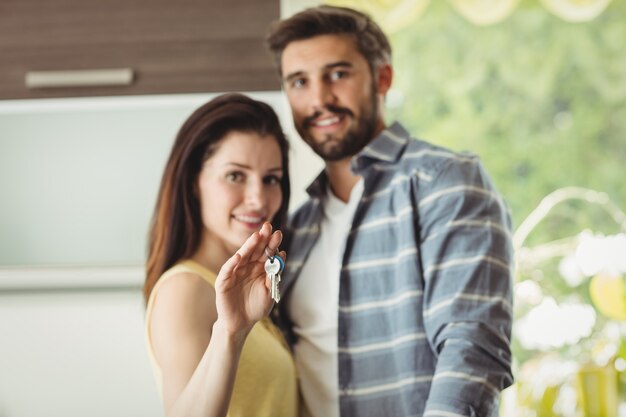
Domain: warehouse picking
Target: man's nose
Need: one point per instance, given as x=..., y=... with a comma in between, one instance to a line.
x=321, y=95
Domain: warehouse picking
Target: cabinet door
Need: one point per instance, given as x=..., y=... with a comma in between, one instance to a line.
x=182, y=46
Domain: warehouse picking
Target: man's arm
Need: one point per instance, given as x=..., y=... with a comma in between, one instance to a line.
x=466, y=256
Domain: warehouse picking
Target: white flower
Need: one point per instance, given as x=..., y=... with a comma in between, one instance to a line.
x=546, y=371
x=549, y=326
x=528, y=292
x=570, y=271
x=599, y=253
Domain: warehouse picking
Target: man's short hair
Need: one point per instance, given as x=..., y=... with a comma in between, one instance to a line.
x=370, y=40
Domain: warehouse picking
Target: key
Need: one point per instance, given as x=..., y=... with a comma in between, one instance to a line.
x=273, y=266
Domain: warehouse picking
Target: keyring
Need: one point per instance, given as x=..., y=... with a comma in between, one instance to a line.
x=271, y=256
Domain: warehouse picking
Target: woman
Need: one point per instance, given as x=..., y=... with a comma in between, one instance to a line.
x=214, y=350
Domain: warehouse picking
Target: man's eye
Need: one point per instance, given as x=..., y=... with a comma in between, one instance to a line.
x=298, y=83
x=337, y=75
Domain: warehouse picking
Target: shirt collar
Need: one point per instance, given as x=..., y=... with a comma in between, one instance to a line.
x=387, y=147
x=318, y=187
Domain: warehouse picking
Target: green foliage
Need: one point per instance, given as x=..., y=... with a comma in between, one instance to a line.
x=541, y=100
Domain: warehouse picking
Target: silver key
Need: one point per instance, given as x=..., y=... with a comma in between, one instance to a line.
x=273, y=266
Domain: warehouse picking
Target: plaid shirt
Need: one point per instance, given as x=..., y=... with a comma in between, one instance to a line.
x=425, y=292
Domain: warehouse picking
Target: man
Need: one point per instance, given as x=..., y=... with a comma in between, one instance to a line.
x=397, y=291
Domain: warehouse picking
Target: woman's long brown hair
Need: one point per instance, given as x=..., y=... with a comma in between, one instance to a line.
x=176, y=226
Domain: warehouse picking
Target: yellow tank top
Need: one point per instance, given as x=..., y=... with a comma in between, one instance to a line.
x=265, y=385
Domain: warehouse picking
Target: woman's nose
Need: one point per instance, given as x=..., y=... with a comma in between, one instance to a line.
x=255, y=195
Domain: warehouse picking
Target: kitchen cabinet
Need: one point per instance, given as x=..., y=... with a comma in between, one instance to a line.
x=151, y=46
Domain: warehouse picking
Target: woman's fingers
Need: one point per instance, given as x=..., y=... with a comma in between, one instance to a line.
x=227, y=270
x=265, y=232
x=249, y=246
x=267, y=244
x=273, y=243
x=257, y=247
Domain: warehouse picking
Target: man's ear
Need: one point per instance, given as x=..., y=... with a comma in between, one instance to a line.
x=384, y=77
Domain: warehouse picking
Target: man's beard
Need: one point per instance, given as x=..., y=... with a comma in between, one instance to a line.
x=355, y=139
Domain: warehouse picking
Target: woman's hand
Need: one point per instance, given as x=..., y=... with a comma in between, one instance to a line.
x=242, y=287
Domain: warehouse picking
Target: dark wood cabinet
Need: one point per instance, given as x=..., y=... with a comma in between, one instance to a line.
x=181, y=46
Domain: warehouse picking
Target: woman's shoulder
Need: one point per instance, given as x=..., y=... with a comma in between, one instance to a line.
x=185, y=283
x=181, y=306
x=179, y=318
x=184, y=291
x=188, y=268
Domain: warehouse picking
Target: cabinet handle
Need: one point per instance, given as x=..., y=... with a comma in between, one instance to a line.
x=79, y=78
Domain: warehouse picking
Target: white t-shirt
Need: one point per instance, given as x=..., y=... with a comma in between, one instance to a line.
x=313, y=307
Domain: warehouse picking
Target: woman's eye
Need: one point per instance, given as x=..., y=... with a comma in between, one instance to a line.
x=271, y=180
x=235, y=176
